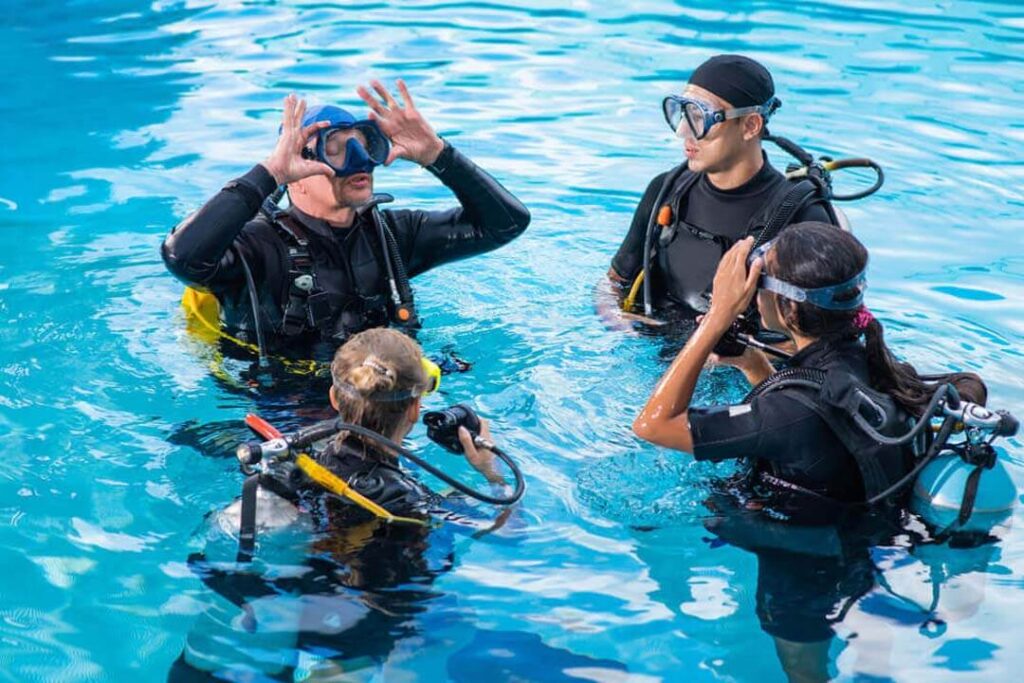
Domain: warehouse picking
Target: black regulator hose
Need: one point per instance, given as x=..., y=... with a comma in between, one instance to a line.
x=322, y=430
x=670, y=180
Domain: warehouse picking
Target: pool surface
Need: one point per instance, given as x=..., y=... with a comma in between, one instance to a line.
x=118, y=118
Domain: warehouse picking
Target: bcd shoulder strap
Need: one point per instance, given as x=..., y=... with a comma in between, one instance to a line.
x=782, y=207
x=307, y=304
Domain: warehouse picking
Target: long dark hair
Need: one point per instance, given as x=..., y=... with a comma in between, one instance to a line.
x=816, y=254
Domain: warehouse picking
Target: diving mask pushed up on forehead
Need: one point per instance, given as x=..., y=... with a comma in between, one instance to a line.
x=348, y=145
x=845, y=296
x=699, y=118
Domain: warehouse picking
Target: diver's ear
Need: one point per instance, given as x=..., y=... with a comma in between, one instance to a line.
x=753, y=125
x=412, y=413
x=334, y=398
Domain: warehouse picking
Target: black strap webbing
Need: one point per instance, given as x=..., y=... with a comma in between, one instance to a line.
x=970, y=495
x=795, y=199
x=247, y=528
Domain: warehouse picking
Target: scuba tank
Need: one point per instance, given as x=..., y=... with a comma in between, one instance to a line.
x=967, y=489
x=938, y=494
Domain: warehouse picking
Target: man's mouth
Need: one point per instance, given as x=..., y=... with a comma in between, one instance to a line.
x=359, y=179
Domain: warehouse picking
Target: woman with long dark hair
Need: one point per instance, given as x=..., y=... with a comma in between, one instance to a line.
x=810, y=284
x=811, y=463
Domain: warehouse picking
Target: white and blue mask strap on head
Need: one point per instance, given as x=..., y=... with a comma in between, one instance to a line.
x=822, y=297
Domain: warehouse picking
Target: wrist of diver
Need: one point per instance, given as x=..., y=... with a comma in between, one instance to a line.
x=433, y=152
x=718, y=320
x=274, y=170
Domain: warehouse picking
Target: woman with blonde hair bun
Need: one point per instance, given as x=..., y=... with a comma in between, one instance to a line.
x=363, y=580
x=379, y=379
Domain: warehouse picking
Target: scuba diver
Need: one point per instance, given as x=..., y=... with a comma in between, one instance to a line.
x=832, y=441
x=333, y=263
x=377, y=542
x=725, y=190
x=815, y=438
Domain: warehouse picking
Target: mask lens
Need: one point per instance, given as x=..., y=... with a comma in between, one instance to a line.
x=375, y=144
x=336, y=145
x=673, y=111
x=695, y=119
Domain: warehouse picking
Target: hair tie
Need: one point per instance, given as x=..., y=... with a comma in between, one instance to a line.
x=379, y=367
x=863, y=318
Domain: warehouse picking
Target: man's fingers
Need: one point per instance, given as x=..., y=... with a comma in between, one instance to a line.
x=754, y=274
x=320, y=168
x=300, y=111
x=406, y=97
x=385, y=95
x=311, y=129
x=370, y=100
x=286, y=117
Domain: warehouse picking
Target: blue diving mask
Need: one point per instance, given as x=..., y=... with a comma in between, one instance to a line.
x=348, y=146
x=850, y=292
x=700, y=118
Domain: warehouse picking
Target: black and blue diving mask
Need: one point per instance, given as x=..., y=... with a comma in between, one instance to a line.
x=348, y=146
x=844, y=296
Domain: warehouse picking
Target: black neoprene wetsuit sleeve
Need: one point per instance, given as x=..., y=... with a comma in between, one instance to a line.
x=764, y=428
x=198, y=250
x=488, y=217
x=629, y=259
x=202, y=250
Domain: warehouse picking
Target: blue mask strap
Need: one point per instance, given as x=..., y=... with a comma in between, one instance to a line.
x=822, y=297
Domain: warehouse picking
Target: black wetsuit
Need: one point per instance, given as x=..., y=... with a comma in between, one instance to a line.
x=783, y=435
x=684, y=268
x=204, y=250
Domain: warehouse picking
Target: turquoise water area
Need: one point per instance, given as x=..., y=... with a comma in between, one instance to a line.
x=119, y=117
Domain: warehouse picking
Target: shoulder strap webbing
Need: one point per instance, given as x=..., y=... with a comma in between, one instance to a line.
x=247, y=528
x=872, y=472
x=873, y=475
x=306, y=306
x=780, y=210
x=677, y=198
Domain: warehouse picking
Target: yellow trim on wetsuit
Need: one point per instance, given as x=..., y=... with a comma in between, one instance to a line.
x=336, y=485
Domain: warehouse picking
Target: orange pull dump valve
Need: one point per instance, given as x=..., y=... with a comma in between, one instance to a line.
x=665, y=215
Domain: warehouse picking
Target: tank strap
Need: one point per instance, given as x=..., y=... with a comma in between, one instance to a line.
x=247, y=528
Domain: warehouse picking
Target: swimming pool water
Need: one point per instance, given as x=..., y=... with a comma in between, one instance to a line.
x=118, y=118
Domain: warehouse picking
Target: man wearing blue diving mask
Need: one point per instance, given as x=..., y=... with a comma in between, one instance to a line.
x=333, y=263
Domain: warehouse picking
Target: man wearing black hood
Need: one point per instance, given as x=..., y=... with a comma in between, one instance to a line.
x=725, y=190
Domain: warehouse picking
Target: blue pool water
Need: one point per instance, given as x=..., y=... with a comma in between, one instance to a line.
x=118, y=118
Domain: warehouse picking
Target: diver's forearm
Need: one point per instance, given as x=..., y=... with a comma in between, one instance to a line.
x=664, y=419
x=195, y=249
x=487, y=204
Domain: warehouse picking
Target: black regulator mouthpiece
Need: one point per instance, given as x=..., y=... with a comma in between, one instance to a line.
x=443, y=425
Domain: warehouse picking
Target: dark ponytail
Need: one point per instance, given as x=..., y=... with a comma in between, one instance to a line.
x=812, y=255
